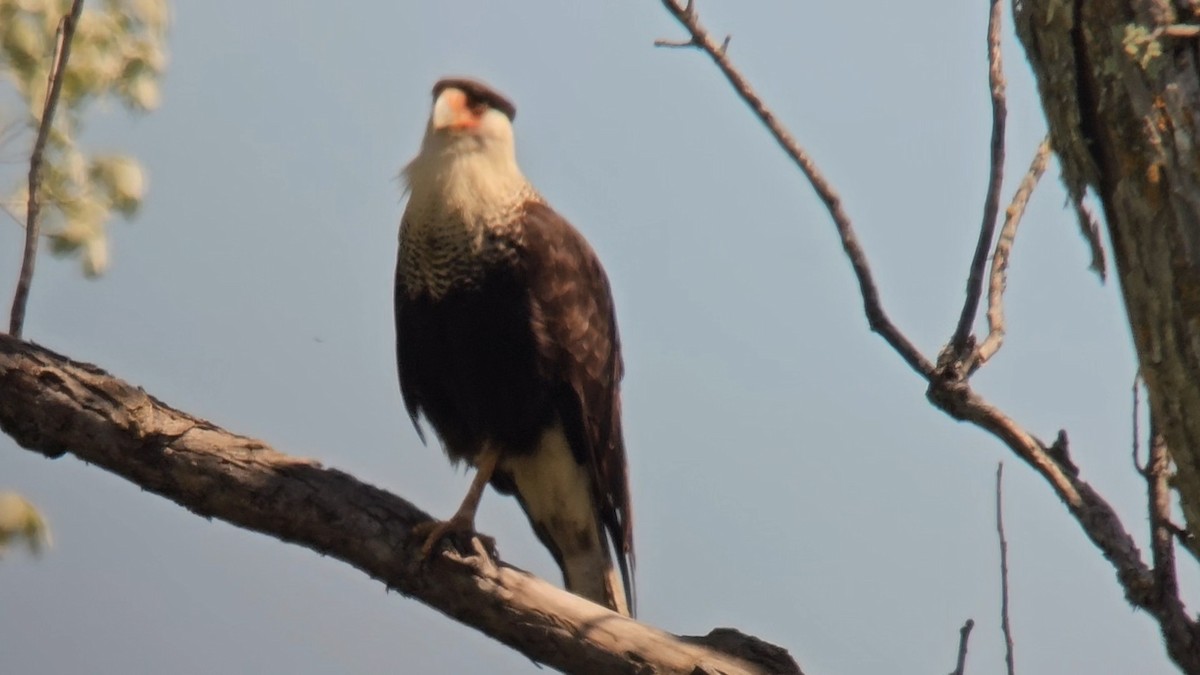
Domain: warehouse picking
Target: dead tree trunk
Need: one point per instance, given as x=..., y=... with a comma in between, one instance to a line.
x=1120, y=85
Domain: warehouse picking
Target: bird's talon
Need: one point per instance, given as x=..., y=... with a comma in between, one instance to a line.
x=459, y=530
x=485, y=546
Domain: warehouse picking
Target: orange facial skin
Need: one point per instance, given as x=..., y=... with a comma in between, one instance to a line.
x=453, y=111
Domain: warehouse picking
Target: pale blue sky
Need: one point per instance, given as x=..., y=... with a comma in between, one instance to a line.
x=789, y=478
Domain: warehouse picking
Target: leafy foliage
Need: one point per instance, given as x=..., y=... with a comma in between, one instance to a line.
x=20, y=521
x=118, y=53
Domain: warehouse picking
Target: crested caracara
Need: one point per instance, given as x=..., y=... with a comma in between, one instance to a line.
x=507, y=344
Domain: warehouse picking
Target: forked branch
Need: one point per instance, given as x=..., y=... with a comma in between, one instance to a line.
x=949, y=388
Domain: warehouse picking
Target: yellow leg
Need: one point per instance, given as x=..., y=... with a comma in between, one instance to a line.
x=463, y=520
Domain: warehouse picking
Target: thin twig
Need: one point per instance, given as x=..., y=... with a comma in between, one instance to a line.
x=1162, y=536
x=674, y=44
x=1182, y=30
x=1137, y=434
x=964, y=634
x=1090, y=229
x=877, y=318
x=1005, y=626
x=991, y=203
x=62, y=52
x=998, y=279
x=1168, y=608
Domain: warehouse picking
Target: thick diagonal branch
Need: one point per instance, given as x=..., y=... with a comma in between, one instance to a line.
x=53, y=405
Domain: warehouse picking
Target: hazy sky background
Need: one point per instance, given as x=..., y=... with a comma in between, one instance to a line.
x=789, y=478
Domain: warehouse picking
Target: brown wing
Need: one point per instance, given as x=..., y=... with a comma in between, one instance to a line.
x=405, y=346
x=575, y=327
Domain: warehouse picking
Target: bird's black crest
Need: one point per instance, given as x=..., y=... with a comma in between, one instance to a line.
x=477, y=91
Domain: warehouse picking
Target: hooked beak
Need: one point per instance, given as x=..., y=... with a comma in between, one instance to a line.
x=452, y=112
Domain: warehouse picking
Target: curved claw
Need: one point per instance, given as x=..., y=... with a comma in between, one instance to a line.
x=435, y=531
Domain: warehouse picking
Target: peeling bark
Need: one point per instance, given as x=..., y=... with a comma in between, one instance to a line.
x=52, y=405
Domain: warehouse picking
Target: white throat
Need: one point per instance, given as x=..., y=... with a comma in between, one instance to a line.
x=465, y=197
x=473, y=180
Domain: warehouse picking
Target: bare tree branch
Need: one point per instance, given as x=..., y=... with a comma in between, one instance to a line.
x=1137, y=450
x=1005, y=625
x=1157, y=478
x=1090, y=229
x=1093, y=513
x=964, y=634
x=991, y=202
x=62, y=52
x=950, y=394
x=52, y=405
x=1162, y=534
x=998, y=279
x=950, y=391
x=1181, y=31
x=877, y=318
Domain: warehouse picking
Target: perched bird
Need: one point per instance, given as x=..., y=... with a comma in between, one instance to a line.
x=507, y=344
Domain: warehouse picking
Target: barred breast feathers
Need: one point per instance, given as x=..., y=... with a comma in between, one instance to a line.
x=466, y=194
